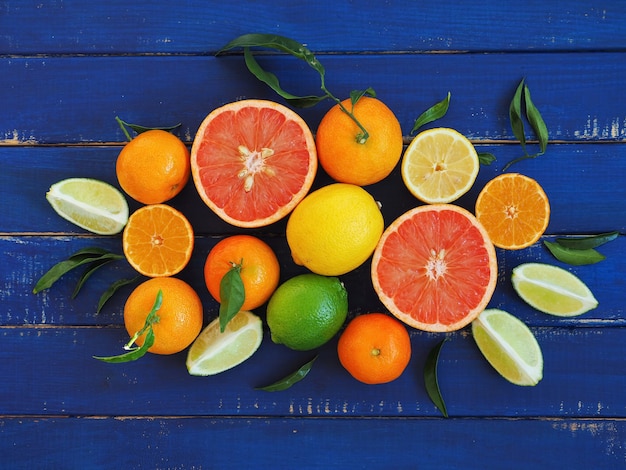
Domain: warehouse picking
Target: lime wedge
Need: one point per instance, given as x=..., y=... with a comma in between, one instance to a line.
x=213, y=352
x=509, y=346
x=552, y=290
x=91, y=204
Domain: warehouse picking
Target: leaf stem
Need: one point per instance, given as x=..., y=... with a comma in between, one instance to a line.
x=121, y=123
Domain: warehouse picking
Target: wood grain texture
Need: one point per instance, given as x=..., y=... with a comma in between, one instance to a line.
x=86, y=93
x=67, y=68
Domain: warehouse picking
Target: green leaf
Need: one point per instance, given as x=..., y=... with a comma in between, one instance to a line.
x=430, y=378
x=140, y=129
x=79, y=258
x=289, y=380
x=113, y=288
x=133, y=354
x=433, y=113
x=232, y=295
x=536, y=121
x=356, y=95
x=272, y=81
x=92, y=268
x=574, y=256
x=586, y=242
x=515, y=116
x=486, y=158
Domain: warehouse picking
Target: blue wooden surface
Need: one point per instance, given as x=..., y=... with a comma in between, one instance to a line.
x=67, y=68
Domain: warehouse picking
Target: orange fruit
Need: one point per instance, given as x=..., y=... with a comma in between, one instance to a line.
x=153, y=167
x=158, y=240
x=514, y=209
x=180, y=314
x=340, y=150
x=253, y=161
x=374, y=348
x=435, y=267
x=258, y=264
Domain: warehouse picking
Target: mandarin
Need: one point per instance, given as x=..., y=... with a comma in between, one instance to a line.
x=179, y=317
x=374, y=348
x=257, y=263
x=153, y=167
x=514, y=210
x=344, y=156
x=158, y=240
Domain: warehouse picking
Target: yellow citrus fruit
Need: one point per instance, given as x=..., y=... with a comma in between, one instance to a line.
x=514, y=209
x=340, y=147
x=180, y=314
x=153, y=167
x=306, y=311
x=439, y=165
x=334, y=229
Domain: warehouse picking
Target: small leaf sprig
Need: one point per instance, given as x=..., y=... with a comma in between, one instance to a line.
x=580, y=251
x=232, y=294
x=298, y=50
x=431, y=380
x=94, y=258
x=521, y=104
x=139, y=129
x=136, y=352
x=439, y=110
x=289, y=380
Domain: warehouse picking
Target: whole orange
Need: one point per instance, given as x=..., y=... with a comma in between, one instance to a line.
x=374, y=348
x=257, y=264
x=153, y=167
x=340, y=149
x=179, y=317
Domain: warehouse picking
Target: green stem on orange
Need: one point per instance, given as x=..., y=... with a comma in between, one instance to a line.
x=362, y=136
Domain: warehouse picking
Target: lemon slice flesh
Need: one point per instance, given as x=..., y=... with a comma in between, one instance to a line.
x=90, y=204
x=509, y=346
x=213, y=351
x=439, y=165
x=552, y=290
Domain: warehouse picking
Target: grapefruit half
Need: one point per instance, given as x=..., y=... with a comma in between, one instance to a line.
x=435, y=268
x=253, y=161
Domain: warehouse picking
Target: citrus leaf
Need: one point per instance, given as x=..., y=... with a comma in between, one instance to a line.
x=486, y=158
x=92, y=267
x=515, y=116
x=79, y=258
x=586, y=242
x=536, y=121
x=232, y=295
x=289, y=380
x=356, y=95
x=272, y=81
x=430, y=378
x=133, y=354
x=573, y=256
x=140, y=129
x=433, y=113
x=113, y=288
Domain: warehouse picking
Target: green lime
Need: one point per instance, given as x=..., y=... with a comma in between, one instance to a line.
x=306, y=311
x=509, y=346
x=552, y=290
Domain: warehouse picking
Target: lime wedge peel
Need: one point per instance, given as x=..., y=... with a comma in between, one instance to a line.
x=553, y=290
x=509, y=346
x=213, y=351
x=90, y=204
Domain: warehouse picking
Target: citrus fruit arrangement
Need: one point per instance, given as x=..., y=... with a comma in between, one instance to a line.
x=253, y=162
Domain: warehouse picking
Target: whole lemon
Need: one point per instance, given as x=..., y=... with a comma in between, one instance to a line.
x=306, y=311
x=334, y=229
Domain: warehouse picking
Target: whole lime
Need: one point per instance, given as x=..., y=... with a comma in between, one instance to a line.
x=306, y=311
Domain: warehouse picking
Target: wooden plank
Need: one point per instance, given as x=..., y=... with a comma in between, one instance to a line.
x=25, y=259
x=52, y=372
x=79, y=97
x=584, y=183
x=311, y=443
x=30, y=27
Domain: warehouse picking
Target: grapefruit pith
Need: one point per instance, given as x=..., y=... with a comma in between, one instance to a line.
x=435, y=268
x=253, y=161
